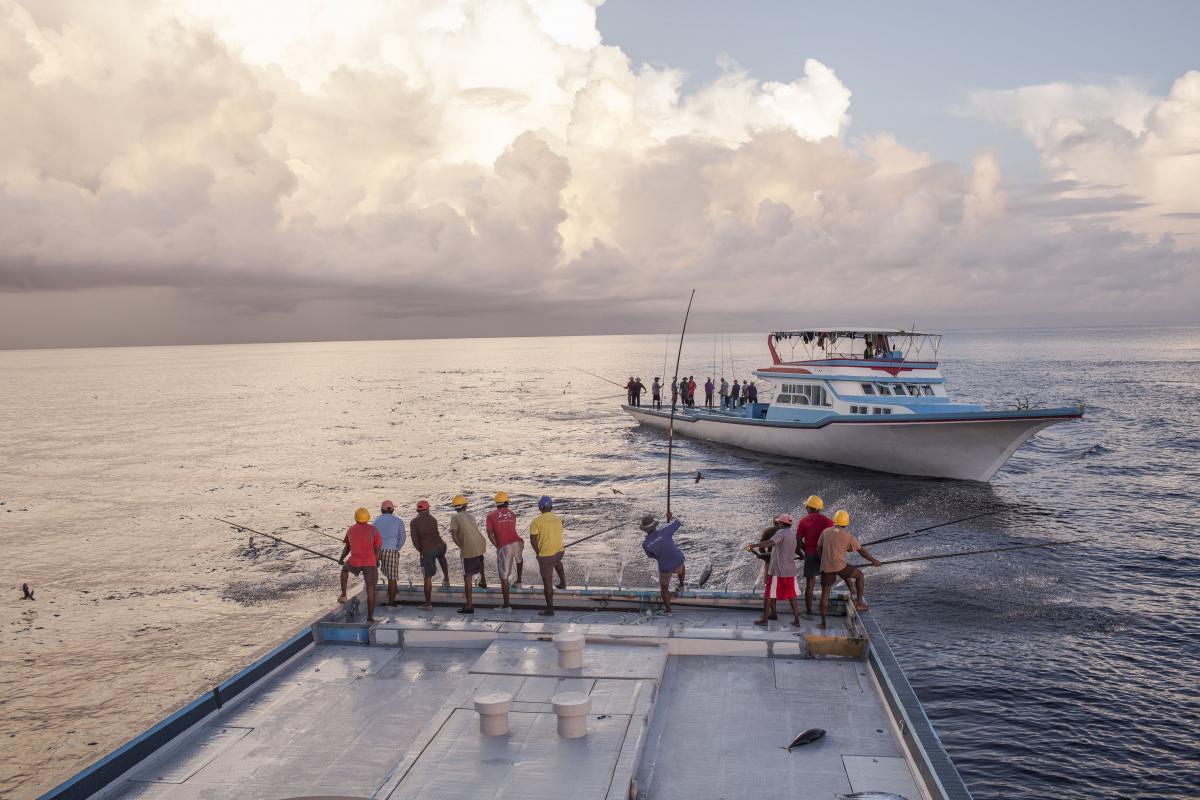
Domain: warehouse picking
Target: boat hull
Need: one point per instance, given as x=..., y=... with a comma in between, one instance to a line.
x=962, y=446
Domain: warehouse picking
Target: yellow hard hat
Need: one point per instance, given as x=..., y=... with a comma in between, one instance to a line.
x=841, y=519
x=501, y=497
x=458, y=500
x=362, y=515
x=814, y=502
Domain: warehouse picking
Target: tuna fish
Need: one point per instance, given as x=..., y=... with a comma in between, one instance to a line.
x=807, y=737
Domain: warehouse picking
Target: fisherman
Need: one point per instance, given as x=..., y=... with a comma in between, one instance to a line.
x=432, y=547
x=724, y=394
x=834, y=543
x=692, y=391
x=501, y=527
x=869, y=350
x=808, y=533
x=674, y=391
x=391, y=529
x=751, y=393
x=629, y=391
x=781, y=570
x=734, y=394
x=656, y=393
x=708, y=393
x=660, y=545
x=638, y=388
x=465, y=533
x=546, y=536
x=363, y=544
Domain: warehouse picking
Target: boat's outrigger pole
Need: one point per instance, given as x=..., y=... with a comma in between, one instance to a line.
x=675, y=399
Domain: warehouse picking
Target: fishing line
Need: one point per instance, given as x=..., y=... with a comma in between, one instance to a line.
x=979, y=552
x=276, y=538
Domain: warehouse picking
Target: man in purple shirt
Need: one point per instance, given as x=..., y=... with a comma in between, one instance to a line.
x=708, y=393
x=660, y=546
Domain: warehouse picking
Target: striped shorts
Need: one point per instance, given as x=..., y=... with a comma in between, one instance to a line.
x=390, y=563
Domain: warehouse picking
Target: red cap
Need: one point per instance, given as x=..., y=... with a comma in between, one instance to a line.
x=387, y=505
x=784, y=519
x=422, y=505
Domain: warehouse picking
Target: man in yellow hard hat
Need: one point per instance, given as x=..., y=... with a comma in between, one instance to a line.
x=501, y=527
x=465, y=533
x=808, y=533
x=363, y=544
x=834, y=543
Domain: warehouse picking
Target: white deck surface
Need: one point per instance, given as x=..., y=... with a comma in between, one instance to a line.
x=398, y=722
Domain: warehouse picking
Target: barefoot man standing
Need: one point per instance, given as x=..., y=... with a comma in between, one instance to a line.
x=546, y=536
x=660, y=545
x=363, y=544
x=834, y=543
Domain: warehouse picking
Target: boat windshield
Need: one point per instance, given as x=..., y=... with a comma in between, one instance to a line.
x=887, y=344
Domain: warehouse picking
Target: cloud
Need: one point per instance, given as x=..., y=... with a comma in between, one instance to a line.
x=449, y=159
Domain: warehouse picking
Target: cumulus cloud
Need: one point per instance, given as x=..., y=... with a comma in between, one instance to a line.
x=446, y=158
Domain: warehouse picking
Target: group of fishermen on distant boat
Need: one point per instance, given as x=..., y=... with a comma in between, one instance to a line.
x=373, y=544
x=731, y=397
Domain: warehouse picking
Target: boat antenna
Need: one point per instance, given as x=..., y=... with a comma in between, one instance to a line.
x=675, y=400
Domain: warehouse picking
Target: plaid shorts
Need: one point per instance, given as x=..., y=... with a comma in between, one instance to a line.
x=390, y=564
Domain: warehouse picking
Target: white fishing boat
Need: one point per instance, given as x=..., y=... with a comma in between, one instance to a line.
x=865, y=397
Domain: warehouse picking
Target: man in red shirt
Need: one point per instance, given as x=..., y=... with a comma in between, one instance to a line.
x=808, y=531
x=363, y=544
x=502, y=530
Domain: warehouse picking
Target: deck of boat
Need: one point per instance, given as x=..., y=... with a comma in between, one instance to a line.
x=699, y=704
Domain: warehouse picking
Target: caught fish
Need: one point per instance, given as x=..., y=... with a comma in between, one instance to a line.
x=807, y=737
x=872, y=796
x=704, y=576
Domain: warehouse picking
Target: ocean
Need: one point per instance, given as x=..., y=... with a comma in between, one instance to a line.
x=1066, y=672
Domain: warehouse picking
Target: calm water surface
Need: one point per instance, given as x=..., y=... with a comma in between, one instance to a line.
x=1065, y=673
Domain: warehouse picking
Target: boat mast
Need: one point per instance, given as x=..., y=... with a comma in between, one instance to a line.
x=675, y=399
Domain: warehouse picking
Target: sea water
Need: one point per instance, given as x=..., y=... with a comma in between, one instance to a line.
x=1066, y=672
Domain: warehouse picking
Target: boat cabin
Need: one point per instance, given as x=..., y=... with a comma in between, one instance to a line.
x=853, y=372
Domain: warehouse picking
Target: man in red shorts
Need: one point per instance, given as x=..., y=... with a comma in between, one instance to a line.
x=363, y=544
x=781, y=570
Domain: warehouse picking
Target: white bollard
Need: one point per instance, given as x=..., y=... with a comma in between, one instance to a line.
x=572, y=709
x=493, y=708
x=570, y=649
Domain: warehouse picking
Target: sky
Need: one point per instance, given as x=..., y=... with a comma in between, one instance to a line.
x=211, y=172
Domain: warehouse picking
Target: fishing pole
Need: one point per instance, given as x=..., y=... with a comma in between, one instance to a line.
x=913, y=533
x=601, y=377
x=276, y=538
x=979, y=552
x=594, y=535
x=674, y=400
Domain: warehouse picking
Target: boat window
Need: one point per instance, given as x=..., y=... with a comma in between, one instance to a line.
x=800, y=400
x=783, y=398
x=884, y=390
x=868, y=388
x=913, y=390
x=927, y=390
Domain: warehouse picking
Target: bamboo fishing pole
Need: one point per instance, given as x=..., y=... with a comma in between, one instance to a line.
x=276, y=538
x=674, y=400
x=597, y=533
x=918, y=531
x=601, y=377
x=978, y=552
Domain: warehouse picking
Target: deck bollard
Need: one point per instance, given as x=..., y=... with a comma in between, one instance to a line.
x=570, y=649
x=572, y=709
x=493, y=708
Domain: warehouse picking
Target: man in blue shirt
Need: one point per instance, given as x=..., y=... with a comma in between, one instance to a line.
x=391, y=530
x=660, y=546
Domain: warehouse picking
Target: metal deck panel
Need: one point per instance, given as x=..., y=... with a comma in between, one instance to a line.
x=600, y=660
x=739, y=696
x=532, y=762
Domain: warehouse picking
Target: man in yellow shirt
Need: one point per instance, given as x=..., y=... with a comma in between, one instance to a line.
x=546, y=536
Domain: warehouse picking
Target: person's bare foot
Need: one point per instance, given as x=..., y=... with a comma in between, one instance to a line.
x=371, y=619
x=797, y=622
x=821, y=625
x=342, y=598
x=859, y=605
x=762, y=621
x=561, y=585
x=427, y=606
x=549, y=612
